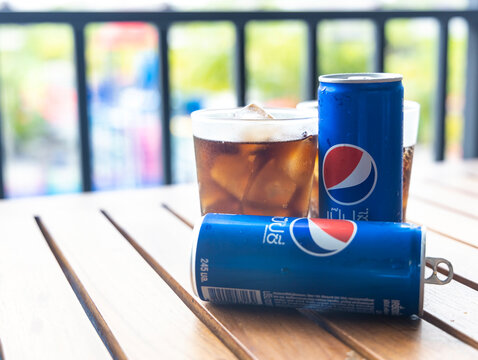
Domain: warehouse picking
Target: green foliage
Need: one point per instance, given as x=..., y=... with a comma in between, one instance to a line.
x=275, y=59
x=200, y=57
x=345, y=46
x=456, y=88
x=23, y=76
x=412, y=52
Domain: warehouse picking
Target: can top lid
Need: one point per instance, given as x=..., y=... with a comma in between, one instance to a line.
x=360, y=78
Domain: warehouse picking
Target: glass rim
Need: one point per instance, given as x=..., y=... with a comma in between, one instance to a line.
x=411, y=120
x=410, y=105
x=224, y=115
x=308, y=105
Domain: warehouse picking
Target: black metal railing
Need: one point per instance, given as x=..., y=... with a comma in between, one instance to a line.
x=163, y=20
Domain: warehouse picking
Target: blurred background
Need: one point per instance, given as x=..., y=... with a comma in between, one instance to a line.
x=38, y=97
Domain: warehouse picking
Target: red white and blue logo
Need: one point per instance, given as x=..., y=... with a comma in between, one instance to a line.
x=322, y=237
x=349, y=174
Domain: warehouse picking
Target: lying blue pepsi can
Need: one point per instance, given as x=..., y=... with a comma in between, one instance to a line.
x=320, y=264
x=360, y=146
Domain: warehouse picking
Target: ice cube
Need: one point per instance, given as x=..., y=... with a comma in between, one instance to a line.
x=232, y=172
x=272, y=186
x=298, y=162
x=214, y=197
x=252, y=111
x=260, y=131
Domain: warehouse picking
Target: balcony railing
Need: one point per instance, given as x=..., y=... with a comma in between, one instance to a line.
x=163, y=21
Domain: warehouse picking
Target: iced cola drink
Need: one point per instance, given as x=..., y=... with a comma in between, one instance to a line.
x=312, y=106
x=254, y=162
x=407, y=171
x=314, y=193
x=411, y=115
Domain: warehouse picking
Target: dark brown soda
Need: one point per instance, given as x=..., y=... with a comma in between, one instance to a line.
x=266, y=178
x=407, y=171
x=314, y=194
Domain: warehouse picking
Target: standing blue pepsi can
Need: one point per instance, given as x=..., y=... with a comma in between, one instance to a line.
x=360, y=146
x=320, y=264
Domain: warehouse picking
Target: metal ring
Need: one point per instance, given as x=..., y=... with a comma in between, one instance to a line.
x=433, y=278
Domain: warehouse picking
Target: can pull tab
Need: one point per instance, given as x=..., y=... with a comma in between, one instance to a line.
x=433, y=278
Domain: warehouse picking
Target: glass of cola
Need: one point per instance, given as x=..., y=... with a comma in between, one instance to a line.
x=255, y=161
x=312, y=106
x=411, y=116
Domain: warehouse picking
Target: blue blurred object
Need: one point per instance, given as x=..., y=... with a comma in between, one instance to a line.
x=193, y=105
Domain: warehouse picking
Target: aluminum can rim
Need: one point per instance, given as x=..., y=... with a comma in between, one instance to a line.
x=360, y=78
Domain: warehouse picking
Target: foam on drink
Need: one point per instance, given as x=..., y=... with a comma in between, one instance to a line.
x=253, y=124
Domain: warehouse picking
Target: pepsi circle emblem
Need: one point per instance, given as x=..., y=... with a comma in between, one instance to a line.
x=349, y=174
x=322, y=237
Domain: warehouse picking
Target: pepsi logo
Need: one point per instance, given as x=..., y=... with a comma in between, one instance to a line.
x=322, y=237
x=349, y=174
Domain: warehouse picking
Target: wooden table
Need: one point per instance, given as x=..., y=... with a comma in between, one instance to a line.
x=102, y=275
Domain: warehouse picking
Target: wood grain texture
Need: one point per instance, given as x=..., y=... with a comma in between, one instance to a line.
x=446, y=198
x=40, y=316
x=206, y=317
x=398, y=338
x=459, y=176
x=101, y=326
x=443, y=221
x=142, y=312
x=456, y=305
x=267, y=333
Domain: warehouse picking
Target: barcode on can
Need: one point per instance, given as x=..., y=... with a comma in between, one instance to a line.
x=231, y=296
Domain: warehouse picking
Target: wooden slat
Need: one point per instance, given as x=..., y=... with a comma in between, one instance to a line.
x=445, y=197
x=458, y=176
x=443, y=221
x=463, y=328
x=40, y=316
x=184, y=201
x=465, y=185
x=95, y=316
x=456, y=306
x=267, y=333
x=206, y=317
x=402, y=338
x=143, y=313
x=455, y=167
x=461, y=167
x=462, y=256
